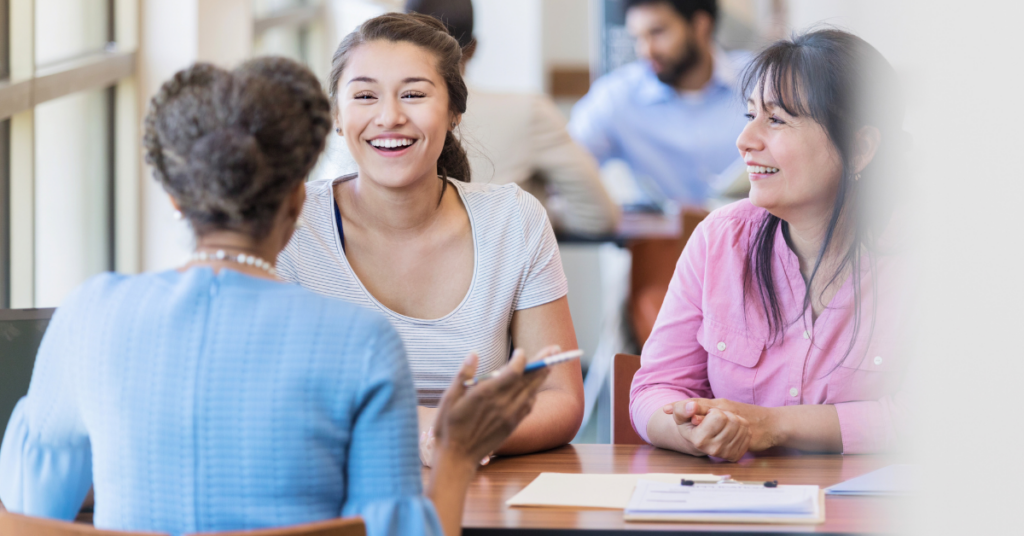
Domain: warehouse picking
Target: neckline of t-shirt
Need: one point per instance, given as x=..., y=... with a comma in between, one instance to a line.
x=369, y=296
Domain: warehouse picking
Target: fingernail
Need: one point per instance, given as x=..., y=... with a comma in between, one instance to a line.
x=667, y=408
x=690, y=407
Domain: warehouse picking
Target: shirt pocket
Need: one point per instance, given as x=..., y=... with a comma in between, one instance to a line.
x=867, y=375
x=732, y=360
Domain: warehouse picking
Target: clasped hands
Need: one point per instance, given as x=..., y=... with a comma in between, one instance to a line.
x=723, y=428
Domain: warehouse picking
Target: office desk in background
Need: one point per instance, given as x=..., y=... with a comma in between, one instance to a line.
x=486, y=512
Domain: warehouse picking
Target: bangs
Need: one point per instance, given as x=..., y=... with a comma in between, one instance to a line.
x=779, y=72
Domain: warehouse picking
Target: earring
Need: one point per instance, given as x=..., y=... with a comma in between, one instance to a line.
x=178, y=215
x=338, y=130
x=856, y=177
x=454, y=124
x=299, y=223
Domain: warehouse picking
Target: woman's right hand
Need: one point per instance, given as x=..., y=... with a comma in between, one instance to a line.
x=474, y=421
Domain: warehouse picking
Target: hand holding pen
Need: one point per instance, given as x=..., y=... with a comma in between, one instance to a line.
x=530, y=367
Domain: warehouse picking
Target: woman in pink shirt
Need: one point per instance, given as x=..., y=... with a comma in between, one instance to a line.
x=782, y=321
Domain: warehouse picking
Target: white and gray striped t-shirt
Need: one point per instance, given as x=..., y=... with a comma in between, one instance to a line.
x=516, y=266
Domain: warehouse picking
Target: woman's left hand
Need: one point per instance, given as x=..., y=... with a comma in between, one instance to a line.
x=427, y=441
x=759, y=420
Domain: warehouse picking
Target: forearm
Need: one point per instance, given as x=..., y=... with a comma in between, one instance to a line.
x=426, y=417
x=813, y=428
x=449, y=482
x=663, y=432
x=553, y=422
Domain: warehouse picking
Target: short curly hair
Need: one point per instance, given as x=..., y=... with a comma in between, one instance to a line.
x=230, y=146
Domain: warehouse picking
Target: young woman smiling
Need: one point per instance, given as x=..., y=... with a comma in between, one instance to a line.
x=782, y=322
x=456, y=267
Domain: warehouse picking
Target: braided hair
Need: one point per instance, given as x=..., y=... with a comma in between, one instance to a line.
x=230, y=146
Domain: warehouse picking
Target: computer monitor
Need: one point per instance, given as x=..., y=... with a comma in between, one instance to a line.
x=21, y=331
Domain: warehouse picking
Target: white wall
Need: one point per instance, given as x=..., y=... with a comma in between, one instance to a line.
x=175, y=34
x=566, y=33
x=508, y=55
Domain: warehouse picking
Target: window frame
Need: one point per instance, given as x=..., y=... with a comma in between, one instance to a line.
x=23, y=86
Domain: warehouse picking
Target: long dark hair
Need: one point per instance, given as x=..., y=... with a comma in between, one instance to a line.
x=844, y=84
x=430, y=34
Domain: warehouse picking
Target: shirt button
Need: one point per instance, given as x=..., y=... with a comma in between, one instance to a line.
x=807, y=335
x=793, y=391
x=721, y=347
x=878, y=360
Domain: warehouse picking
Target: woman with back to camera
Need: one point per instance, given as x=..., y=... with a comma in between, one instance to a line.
x=215, y=397
x=456, y=267
x=782, y=323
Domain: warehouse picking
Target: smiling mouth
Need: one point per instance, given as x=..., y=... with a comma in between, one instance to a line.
x=391, y=145
x=761, y=170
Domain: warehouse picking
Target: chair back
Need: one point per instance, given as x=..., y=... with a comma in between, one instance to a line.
x=624, y=366
x=19, y=525
x=653, y=265
x=345, y=526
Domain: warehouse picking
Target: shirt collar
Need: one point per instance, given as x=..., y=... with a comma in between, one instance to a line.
x=723, y=75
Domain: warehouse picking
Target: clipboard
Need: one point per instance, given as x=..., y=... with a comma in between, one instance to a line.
x=735, y=517
x=726, y=502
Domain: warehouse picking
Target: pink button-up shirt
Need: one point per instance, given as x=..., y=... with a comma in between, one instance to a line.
x=711, y=342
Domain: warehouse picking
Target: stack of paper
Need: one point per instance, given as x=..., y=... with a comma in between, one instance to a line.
x=592, y=490
x=891, y=480
x=734, y=503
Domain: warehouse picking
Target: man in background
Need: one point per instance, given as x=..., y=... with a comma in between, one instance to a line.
x=674, y=115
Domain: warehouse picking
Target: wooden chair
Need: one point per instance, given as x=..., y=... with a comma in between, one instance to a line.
x=345, y=526
x=653, y=264
x=624, y=366
x=19, y=525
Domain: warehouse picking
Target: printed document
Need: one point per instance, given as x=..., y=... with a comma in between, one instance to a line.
x=660, y=498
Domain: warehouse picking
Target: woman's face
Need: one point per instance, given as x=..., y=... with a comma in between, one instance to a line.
x=393, y=111
x=794, y=167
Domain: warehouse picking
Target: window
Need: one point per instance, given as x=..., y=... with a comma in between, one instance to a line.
x=68, y=146
x=294, y=29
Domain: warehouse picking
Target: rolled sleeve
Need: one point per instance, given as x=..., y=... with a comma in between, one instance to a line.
x=591, y=122
x=871, y=426
x=673, y=365
x=544, y=280
x=572, y=171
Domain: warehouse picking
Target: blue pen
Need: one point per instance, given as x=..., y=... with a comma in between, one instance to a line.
x=530, y=367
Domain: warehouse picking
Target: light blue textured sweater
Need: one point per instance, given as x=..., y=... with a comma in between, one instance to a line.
x=199, y=402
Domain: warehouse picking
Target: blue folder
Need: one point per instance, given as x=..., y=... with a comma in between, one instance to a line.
x=891, y=480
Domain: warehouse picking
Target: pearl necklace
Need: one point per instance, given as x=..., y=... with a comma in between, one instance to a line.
x=241, y=258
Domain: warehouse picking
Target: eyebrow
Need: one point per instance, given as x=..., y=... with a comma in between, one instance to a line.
x=409, y=80
x=766, y=104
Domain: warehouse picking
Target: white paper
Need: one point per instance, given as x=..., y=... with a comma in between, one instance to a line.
x=612, y=491
x=659, y=497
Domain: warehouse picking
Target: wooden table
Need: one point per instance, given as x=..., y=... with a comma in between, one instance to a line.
x=486, y=512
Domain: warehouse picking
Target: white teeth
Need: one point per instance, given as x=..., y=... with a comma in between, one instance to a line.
x=391, y=143
x=761, y=170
